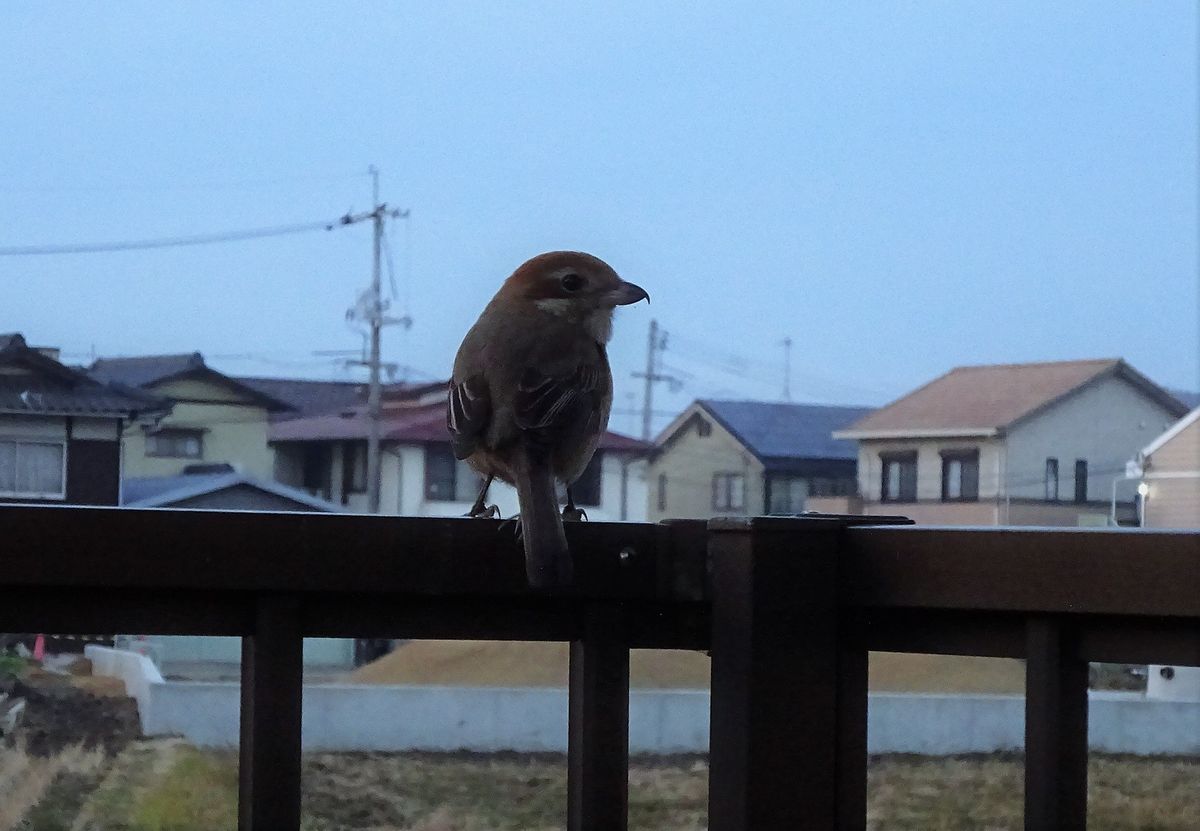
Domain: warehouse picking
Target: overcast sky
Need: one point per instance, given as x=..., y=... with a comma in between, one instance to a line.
x=898, y=188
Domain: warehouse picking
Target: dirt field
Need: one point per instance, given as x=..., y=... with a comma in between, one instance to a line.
x=167, y=785
x=520, y=664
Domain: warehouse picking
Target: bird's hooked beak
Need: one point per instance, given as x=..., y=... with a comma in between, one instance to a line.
x=627, y=293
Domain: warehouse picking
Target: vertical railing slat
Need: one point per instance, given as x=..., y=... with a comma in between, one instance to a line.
x=598, y=733
x=773, y=746
x=1056, y=749
x=272, y=686
x=852, y=702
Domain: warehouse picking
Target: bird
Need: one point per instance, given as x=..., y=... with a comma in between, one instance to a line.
x=531, y=393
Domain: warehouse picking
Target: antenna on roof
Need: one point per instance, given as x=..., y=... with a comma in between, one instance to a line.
x=787, y=369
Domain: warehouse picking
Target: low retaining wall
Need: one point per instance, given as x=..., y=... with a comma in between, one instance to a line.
x=392, y=718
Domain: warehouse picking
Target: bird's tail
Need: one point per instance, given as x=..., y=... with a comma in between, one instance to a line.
x=547, y=560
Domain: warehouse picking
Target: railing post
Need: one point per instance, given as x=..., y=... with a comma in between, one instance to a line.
x=272, y=686
x=1056, y=746
x=774, y=726
x=598, y=734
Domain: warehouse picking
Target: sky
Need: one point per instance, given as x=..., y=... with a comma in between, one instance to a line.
x=897, y=188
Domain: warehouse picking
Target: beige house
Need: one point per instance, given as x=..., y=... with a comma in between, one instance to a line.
x=1011, y=444
x=215, y=419
x=751, y=457
x=1170, y=476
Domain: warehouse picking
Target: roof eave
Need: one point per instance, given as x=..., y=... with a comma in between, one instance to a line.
x=919, y=433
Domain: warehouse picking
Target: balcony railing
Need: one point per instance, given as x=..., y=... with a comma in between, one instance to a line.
x=788, y=608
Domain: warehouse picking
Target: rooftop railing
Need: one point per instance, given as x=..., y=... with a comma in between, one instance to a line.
x=788, y=608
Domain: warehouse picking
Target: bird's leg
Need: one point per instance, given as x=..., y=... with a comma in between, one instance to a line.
x=514, y=522
x=480, y=510
x=570, y=513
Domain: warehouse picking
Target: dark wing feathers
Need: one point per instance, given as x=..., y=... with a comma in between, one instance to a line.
x=468, y=410
x=541, y=398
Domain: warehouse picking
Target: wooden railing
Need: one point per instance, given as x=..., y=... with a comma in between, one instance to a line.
x=788, y=608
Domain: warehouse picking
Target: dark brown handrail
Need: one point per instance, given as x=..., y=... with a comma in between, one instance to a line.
x=788, y=607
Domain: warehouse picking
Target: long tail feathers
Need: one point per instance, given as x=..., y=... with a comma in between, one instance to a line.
x=547, y=560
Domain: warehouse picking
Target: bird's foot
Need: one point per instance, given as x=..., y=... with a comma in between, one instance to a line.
x=574, y=514
x=513, y=522
x=481, y=511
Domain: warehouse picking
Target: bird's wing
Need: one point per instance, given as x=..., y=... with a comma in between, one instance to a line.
x=541, y=399
x=468, y=410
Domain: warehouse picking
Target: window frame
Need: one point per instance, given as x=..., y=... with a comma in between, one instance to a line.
x=16, y=493
x=457, y=482
x=728, y=478
x=662, y=491
x=963, y=456
x=176, y=435
x=898, y=457
x=354, y=474
x=1081, y=482
x=1052, y=465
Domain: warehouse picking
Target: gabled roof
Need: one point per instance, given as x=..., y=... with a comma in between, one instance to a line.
x=161, y=491
x=774, y=430
x=408, y=422
x=307, y=397
x=148, y=371
x=48, y=387
x=1171, y=432
x=989, y=399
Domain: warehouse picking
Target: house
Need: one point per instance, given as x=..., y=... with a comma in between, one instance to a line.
x=219, y=488
x=751, y=457
x=60, y=431
x=215, y=418
x=326, y=455
x=1169, y=473
x=1010, y=444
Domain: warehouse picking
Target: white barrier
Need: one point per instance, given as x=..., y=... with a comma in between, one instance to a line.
x=393, y=718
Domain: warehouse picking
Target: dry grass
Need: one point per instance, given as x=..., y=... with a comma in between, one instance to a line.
x=170, y=786
x=533, y=664
x=25, y=780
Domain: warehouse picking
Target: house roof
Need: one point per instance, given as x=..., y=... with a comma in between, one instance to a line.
x=148, y=371
x=985, y=400
x=50, y=387
x=307, y=397
x=409, y=422
x=162, y=491
x=1171, y=432
x=778, y=431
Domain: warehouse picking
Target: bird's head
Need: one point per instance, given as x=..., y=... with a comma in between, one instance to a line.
x=571, y=284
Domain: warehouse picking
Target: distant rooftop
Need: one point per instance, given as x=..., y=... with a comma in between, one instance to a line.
x=992, y=397
x=147, y=371
x=780, y=430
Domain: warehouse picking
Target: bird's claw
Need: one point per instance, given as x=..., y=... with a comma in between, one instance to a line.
x=515, y=522
x=573, y=514
x=484, y=512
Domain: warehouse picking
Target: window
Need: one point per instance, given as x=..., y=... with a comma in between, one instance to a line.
x=899, y=477
x=960, y=475
x=662, y=491
x=1052, y=480
x=1081, y=477
x=703, y=428
x=586, y=488
x=354, y=467
x=175, y=443
x=788, y=494
x=32, y=470
x=446, y=478
x=728, y=492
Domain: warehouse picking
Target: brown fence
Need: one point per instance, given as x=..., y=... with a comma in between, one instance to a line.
x=788, y=607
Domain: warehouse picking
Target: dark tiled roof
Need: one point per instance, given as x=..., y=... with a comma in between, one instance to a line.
x=787, y=431
x=162, y=491
x=147, y=370
x=309, y=397
x=407, y=423
x=48, y=386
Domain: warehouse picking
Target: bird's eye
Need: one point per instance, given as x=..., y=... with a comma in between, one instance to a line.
x=572, y=282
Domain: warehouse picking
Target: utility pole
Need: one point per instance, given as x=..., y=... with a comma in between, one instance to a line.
x=370, y=308
x=787, y=369
x=656, y=344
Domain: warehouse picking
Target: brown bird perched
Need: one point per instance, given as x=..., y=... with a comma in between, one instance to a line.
x=532, y=390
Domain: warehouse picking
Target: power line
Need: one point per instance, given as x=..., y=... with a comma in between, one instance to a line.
x=172, y=242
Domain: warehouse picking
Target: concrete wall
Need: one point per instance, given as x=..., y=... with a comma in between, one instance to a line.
x=688, y=460
x=1106, y=423
x=332, y=653
x=392, y=718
